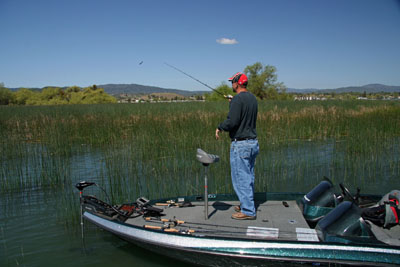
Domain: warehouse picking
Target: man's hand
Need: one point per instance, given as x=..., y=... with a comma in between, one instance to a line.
x=229, y=97
x=217, y=134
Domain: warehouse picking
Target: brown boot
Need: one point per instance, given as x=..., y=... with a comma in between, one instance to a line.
x=242, y=216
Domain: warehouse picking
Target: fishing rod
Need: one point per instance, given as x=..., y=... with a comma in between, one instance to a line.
x=185, y=223
x=197, y=80
x=168, y=225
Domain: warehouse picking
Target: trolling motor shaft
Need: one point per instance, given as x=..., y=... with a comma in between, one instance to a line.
x=205, y=193
x=206, y=159
x=80, y=186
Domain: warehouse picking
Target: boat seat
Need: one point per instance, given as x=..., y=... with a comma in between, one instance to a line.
x=390, y=237
x=206, y=158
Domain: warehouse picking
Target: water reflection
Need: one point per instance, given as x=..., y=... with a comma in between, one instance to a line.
x=39, y=218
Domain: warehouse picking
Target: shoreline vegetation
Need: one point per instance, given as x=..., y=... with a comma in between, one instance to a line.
x=55, y=96
x=49, y=96
x=148, y=150
x=263, y=83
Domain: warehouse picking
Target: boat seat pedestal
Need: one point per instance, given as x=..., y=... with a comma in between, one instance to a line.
x=206, y=159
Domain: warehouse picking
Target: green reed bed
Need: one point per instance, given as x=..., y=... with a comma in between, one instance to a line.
x=149, y=149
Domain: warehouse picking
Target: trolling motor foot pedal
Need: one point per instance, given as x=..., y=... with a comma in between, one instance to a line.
x=147, y=209
x=206, y=159
x=141, y=201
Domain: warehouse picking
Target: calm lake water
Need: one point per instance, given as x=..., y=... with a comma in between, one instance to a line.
x=33, y=234
x=40, y=227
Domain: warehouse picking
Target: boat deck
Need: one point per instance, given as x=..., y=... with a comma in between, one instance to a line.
x=275, y=220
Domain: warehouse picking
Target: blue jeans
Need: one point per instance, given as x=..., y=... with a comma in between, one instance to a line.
x=243, y=158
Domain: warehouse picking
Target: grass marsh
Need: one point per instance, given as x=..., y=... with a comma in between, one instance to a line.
x=149, y=149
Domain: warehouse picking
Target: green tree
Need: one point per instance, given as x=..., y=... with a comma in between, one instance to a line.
x=49, y=93
x=263, y=81
x=6, y=96
x=73, y=89
x=222, y=90
x=76, y=98
x=95, y=95
x=58, y=96
x=73, y=95
x=22, y=96
x=35, y=100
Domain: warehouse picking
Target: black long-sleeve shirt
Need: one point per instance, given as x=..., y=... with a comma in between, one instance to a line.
x=242, y=117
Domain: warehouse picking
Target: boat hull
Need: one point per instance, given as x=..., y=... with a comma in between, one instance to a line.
x=238, y=252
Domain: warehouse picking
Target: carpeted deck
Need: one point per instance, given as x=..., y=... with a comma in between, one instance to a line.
x=274, y=221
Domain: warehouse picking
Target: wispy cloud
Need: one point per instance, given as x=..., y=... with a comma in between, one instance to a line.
x=227, y=41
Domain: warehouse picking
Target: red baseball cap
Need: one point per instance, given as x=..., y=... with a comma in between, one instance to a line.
x=239, y=78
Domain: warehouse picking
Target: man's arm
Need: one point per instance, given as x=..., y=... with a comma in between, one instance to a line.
x=233, y=119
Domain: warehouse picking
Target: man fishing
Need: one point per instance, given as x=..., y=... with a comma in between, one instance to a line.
x=241, y=125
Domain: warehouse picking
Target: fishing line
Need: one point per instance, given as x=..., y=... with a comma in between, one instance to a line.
x=197, y=80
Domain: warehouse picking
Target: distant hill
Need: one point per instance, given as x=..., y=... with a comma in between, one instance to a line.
x=135, y=89
x=116, y=89
x=301, y=91
x=369, y=88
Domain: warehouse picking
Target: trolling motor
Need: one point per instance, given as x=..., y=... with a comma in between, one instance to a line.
x=80, y=186
x=206, y=159
x=141, y=207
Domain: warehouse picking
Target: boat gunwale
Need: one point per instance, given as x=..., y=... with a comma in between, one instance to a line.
x=306, y=245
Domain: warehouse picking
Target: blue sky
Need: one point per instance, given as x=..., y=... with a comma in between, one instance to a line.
x=312, y=43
